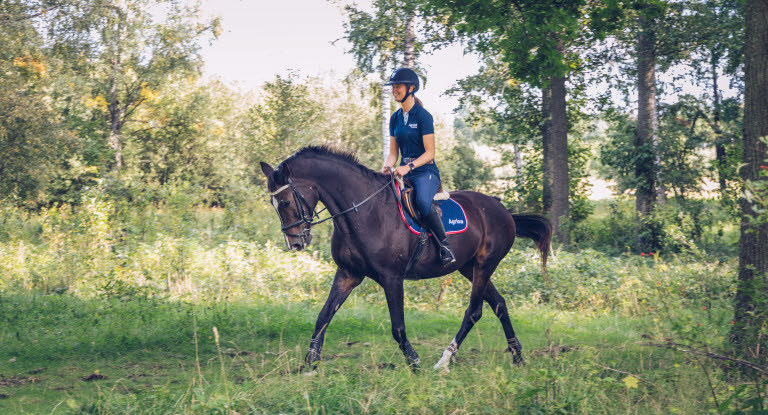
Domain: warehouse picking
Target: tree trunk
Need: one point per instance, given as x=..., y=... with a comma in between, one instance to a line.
x=114, y=108
x=384, y=113
x=409, y=42
x=720, y=154
x=559, y=144
x=748, y=335
x=518, y=165
x=661, y=188
x=546, y=144
x=115, y=123
x=645, y=194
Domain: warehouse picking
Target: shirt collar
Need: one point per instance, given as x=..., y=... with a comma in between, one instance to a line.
x=414, y=109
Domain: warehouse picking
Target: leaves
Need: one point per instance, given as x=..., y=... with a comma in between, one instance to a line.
x=630, y=382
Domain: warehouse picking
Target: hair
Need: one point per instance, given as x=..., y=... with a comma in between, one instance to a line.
x=418, y=101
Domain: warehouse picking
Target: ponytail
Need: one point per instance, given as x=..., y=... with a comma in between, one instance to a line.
x=418, y=101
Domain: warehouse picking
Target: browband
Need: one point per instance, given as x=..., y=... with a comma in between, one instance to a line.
x=280, y=189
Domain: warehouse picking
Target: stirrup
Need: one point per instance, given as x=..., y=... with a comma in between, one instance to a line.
x=446, y=255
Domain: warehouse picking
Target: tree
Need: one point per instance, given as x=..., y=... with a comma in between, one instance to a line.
x=283, y=121
x=751, y=311
x=719, y=34
x=533, y=39
x=660, y=33
x=34, y=145
x=122, y=53
x=380, y=42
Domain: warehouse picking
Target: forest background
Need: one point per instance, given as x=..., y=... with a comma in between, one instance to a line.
x=131, y=205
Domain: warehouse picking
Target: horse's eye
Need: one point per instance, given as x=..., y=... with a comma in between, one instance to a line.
x=284, y=203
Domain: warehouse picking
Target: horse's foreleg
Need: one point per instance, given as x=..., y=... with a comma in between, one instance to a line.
x=394, y=293
x=499, y=307
x=343, y=284
x=471, y=316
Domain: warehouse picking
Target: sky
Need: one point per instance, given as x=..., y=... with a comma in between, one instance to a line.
x=265, y=38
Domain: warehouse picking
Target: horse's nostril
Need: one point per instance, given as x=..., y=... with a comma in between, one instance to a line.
x=297, y=247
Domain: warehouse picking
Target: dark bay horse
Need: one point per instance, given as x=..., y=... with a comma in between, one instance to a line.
x=370, y=240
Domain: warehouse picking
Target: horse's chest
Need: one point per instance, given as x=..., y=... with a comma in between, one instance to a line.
x=346, y=254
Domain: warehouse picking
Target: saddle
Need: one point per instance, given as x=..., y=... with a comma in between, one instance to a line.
x=407, y=195
x=452, y=214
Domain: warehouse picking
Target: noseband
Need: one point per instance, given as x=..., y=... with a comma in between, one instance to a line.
x=307, y=214
x=303, y=211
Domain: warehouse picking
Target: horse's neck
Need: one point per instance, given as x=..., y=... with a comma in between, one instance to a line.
x=341, y=188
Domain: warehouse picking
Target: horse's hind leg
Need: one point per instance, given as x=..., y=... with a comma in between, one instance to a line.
x=480, y=276
x=499, y=307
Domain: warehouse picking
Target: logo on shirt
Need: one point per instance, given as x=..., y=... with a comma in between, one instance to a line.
x=413, y=125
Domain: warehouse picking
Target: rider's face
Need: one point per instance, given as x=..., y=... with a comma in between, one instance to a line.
x=399, y=91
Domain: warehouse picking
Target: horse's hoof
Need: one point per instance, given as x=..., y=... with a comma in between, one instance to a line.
x=517, y=358
x=444, y=362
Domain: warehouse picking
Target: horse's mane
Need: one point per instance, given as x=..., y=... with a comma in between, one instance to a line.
x=325, y=151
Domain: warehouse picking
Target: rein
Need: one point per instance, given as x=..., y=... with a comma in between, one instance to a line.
x=307, y=215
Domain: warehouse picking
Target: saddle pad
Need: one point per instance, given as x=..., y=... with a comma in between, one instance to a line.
x=454, y=218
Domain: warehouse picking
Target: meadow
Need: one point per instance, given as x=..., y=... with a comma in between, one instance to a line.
x=155, y=308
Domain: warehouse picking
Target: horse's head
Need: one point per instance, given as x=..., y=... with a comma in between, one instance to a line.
x=295, y=202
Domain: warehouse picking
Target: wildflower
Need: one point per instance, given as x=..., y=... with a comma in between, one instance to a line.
x=650, y=253
x=642, y=254
x=699, y=323
x=733, y=322
x=704, y=307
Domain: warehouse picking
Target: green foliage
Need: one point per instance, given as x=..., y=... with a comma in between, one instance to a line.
x=378, y=39
x=698, y=227
x=756, y=193
x=463, y=170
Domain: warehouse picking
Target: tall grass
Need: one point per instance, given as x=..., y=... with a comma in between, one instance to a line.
x=198, y=310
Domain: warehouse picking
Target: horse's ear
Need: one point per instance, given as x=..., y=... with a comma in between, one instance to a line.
x=266, y=168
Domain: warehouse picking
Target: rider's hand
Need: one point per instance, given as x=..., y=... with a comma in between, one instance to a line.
x=402, y=171
x=386, y=169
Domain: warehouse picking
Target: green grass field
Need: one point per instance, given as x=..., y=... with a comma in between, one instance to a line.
x=110, y=309
x=63, y=354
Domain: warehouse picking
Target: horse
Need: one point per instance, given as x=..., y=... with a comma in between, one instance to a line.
x=370, y=240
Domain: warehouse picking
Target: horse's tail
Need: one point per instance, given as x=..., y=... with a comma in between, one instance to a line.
x=539, y=229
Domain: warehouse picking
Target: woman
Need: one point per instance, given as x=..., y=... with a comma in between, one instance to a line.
x=412, y=131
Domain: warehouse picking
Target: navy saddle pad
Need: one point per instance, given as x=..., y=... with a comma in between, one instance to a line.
x=454, y=218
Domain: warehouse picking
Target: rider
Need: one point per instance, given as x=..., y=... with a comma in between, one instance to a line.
x=412, y=131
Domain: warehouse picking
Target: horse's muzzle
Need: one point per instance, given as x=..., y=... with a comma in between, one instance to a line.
x=298, y=244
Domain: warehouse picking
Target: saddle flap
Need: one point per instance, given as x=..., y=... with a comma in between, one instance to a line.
x=452, y=214
x=407, y=198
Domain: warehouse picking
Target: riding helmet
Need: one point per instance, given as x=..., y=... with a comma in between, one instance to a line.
x=405, y=76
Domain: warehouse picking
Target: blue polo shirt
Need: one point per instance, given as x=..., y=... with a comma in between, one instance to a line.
x=410, y=135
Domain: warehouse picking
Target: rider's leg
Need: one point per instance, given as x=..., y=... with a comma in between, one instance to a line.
x=425, y=186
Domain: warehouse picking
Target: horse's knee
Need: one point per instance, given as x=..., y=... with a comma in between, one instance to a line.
x=475, y=315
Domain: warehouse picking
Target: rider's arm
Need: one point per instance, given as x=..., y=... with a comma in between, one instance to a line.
x=429, y=151
x=394, y=151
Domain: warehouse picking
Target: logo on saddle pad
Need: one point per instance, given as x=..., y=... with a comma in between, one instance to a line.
x=454, y=221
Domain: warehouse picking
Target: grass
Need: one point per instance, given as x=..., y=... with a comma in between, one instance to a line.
x=110, y=308
x=162, y=357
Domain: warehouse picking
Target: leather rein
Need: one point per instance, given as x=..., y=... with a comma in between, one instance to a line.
x=308, y=214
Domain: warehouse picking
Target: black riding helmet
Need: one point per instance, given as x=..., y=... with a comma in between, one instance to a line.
x=405, y=76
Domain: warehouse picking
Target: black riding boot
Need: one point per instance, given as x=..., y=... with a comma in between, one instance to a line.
x=435, y=224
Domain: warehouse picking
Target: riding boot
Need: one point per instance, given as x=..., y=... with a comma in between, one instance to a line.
x=435, y=224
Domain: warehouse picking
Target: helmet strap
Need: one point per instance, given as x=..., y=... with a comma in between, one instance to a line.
x=407, y=94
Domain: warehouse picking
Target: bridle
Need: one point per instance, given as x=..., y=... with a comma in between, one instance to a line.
x=307, y=214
